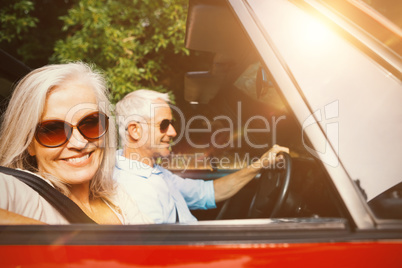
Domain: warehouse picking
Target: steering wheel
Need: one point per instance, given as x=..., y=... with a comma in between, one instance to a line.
x=272, y=190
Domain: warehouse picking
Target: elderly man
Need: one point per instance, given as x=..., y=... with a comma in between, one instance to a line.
x=144, y=118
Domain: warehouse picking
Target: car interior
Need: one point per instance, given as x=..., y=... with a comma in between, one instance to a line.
x=239, y=87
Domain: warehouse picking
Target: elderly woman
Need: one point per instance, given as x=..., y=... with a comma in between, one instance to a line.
x=57, y=126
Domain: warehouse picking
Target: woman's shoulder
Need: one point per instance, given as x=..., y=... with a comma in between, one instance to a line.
x=20, y=198
x=11, y=188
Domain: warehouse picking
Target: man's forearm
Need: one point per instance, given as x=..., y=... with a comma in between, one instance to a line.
x=229, y=185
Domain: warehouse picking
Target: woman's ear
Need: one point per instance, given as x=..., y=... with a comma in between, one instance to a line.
x=134, y=131
x=31, y=149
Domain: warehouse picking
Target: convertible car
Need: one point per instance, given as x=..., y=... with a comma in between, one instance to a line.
x=321, y=77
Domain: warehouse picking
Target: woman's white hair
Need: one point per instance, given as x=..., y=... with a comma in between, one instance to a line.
x=136, y=105
x=25, y=110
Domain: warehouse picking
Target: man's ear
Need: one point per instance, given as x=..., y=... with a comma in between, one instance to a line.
x=31, y=149
x=134, y=131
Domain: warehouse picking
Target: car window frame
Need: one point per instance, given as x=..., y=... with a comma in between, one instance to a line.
x=355, y=202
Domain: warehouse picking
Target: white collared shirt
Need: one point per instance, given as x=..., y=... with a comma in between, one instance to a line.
x=160, y=193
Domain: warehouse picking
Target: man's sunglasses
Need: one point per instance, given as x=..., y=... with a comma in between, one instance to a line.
x=163, y=125
x=55, y=133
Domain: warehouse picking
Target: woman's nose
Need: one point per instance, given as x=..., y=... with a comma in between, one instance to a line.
x=77, y=140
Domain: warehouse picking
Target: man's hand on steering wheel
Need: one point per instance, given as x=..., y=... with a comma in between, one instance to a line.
x=268, y=159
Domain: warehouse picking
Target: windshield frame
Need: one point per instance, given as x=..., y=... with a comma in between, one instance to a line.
x=288, y=84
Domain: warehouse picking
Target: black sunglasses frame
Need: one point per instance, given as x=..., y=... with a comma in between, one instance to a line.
x=161, y=128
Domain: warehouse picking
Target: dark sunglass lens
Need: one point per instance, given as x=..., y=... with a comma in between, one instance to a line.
x=164, y=125
x=52, y=133
x=94, y=125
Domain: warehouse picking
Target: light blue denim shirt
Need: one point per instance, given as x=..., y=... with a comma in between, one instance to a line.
x=158, y=192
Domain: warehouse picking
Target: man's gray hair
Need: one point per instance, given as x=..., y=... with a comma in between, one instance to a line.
x=136, y=105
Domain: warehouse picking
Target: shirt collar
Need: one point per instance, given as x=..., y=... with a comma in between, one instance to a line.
x=134, y=166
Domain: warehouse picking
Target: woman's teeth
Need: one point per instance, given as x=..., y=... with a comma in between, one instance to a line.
x=79, y=159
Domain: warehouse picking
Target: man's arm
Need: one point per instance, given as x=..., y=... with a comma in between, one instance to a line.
x=11, y=218
x=229, y=185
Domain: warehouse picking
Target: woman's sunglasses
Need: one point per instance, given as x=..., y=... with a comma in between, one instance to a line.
x=55, y=133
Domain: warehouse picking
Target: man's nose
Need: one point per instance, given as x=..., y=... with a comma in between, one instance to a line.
x=171, y=132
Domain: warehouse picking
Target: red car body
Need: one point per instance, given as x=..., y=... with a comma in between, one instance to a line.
x=353, y=254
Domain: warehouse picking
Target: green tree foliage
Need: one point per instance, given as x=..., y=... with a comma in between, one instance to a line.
x=15, y=19
x=30, y=28
x=134, y=41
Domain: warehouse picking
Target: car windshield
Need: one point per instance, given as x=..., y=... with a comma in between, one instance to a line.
x=240, y=107
x=380, y=18
x=347, y=84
